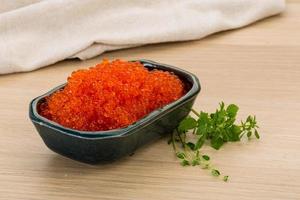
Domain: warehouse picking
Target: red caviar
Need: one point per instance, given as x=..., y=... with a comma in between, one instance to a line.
x=111, y=95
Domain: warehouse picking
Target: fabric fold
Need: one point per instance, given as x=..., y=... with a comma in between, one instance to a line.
x=42, y=33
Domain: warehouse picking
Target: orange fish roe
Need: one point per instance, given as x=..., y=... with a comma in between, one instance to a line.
x=111, y=95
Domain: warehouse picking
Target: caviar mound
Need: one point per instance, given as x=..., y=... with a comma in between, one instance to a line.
x=111, y=95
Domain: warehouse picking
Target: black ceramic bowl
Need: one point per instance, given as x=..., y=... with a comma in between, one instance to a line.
x=98, y=146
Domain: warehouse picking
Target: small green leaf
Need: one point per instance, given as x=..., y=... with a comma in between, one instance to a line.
x=232, y=110
x=180, y=155
x=256, y=134
x=225, y=136
x=185, y=163
x=191, y=145
x=200, y=142
x=236, y=129
x=203, y=123
x=215, y=172
x=249, y=133
x=187, y=124
x=203, y=117
x=195, y=162
x=234, y=133
x=216, y=143
x=222, y=105
x=206, y=157
x=249, y=119
x=225, y=178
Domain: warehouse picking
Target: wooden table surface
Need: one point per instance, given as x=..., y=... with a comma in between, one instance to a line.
x=257, y=67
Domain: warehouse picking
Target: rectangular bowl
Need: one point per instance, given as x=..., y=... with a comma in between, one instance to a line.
x=103, y=146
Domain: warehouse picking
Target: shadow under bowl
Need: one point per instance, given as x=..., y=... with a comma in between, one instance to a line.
x=103, y=146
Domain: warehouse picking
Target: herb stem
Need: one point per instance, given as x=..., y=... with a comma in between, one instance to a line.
x=186, y=150
x=179, y=136
x=194, y=131
x=182, y=141
x=242, y=134
x=173, y=142
x=195, y=112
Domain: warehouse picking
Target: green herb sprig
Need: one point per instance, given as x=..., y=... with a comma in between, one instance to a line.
x=217, y=128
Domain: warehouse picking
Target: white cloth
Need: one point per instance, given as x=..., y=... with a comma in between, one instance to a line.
x=37, y=33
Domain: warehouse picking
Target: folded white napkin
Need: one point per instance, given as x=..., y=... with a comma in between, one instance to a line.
x=36, y=33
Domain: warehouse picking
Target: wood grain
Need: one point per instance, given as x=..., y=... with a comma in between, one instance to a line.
x=257, y=67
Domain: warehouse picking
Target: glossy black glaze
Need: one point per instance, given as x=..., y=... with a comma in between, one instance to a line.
x=94, y=147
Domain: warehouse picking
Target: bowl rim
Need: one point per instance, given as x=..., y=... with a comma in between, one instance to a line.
x=148, y=119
